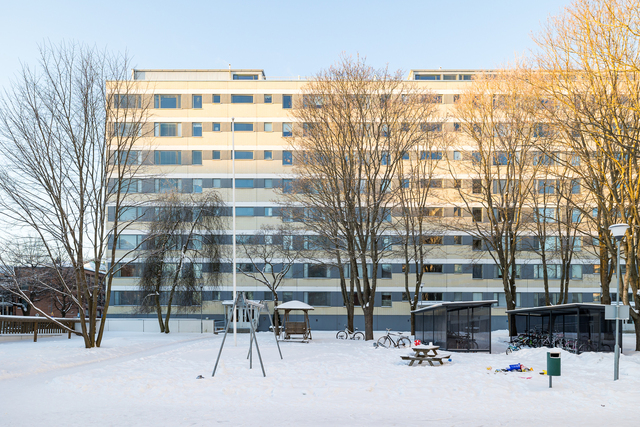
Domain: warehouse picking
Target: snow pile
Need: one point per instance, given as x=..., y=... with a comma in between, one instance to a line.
x=151, y=380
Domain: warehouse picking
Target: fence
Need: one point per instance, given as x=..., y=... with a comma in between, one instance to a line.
x=33, y=325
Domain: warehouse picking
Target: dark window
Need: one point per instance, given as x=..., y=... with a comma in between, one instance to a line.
x=216, y=155
x=197, y=101
x=432, y=268
x=477, y=214
x=317, y=298
x=127, y=101
x=386, y=299
x=386, y=271
x=457, y=240
x=268, y=155
x=476, y=244
x=477, y=271
x=268, y=99
x=245, y=77
x=476, y=186
x=432, y=296
x=426, y=76
x=216, y=99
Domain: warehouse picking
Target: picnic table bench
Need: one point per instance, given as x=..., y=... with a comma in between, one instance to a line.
x=426, y=353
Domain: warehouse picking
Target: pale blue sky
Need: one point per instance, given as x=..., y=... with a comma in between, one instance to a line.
x=285, y=38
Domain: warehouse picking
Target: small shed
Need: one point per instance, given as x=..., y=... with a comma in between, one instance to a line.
x=581, y=324
x=295, y=329
x=463, y=326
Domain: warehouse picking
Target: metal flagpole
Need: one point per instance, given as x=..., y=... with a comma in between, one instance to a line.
x=233, y=216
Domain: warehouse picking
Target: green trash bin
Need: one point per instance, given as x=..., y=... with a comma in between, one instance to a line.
x=553, y=365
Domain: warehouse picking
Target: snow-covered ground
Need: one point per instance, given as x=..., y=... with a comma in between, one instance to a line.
x=139, y=379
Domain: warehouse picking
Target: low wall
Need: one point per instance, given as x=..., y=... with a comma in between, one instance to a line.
x=151, y=325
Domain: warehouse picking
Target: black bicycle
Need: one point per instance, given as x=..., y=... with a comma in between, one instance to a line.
x=389, y=341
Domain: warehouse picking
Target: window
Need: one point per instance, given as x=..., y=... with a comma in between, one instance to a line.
x=287, y=185
x=457, y=268
x=316, y=271
x=268, y=127
x=432, y=240
x=268, y=155
x=127, y=101
x=243, y=127
x=502, y=299
x=477, y=271
x=386, y=271
x=476, y=244
x=197, y=186
x=130, y=186
x=457, y=240
x=435, y=183
x=216, y=183
x=432, y=268
x=167, y=129
x=196, y=101
x=432, y=296
x=132, y=157
x=216, y=127
x=546, y=214
x=317, y=298
x=457, y=212
x=244, y=155
x=268, y=211
x=477, y=296
x=196, y=129
x=287, y=129
x=286, y=101
x=216, y=99
x=457, y=183
x=268, y=99
x=244, y=211
x=426, y=77
x=268, y=183
x=575, y=186
x=287, y=296
x=168, y=157
x=476, y=213
x=216, y=155
x=242, y=99
x=576, y=271
x=168, y=185
x=129, y=213
x=244, y=183
x=166, y=101
x=547, y=186
x=287, y=158
x=386, y=299
x=476, y=186
x=196, y=157
x=127, y=129
x=128, y=241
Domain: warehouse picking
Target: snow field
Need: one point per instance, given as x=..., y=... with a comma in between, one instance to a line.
x=138, y=379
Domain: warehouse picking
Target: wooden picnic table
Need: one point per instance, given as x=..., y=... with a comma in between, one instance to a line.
x=426, y=353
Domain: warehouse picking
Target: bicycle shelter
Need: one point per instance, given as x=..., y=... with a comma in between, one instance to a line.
x=582, y=322
x=463, y=326
x=295, y=328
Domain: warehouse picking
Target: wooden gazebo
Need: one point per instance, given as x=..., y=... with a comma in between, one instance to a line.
x=295, y=329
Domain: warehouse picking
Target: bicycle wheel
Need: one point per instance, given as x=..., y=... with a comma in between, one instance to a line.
x=384, y=342
x=509, y=350
x=404, y=342
x=358, y=336
x=606, y=347
x=341, y=335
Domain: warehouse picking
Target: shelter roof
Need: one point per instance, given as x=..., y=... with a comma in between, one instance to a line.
x=457, y=304
x=557, y=308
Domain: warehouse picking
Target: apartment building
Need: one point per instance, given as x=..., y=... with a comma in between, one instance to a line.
x=188, y=148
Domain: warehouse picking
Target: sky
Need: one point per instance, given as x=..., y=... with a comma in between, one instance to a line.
x=285, y=38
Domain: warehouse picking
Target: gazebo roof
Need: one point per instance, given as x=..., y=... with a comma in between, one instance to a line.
x=294, y=305
x=457, y=304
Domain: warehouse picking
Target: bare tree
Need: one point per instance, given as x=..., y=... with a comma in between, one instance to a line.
x=418, y=225
x=183, y=253
x=355, y=126
x=589, y=56
x=271, y=253
x=497, y=118
x=61, y=123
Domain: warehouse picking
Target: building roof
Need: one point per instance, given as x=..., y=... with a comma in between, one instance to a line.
x=457, y=304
